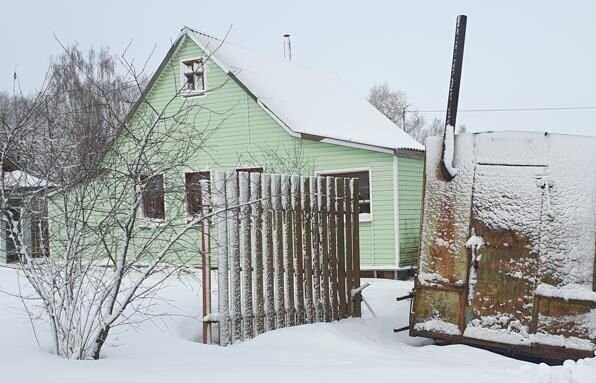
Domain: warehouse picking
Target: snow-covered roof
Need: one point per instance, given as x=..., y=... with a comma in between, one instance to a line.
x=306, y=101
x=20, y=179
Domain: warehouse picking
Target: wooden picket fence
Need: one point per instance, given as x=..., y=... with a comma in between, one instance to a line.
x=287, y=250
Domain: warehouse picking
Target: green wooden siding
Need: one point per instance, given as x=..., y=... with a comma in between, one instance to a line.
x=240, y=133
x=410, y=203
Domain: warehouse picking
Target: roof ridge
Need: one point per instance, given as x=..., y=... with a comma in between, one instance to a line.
x=201, y=33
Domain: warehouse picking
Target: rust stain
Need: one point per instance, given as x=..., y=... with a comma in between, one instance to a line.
x=441, y=258
x=503, y=285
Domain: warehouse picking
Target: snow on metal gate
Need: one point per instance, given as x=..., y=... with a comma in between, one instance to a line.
x=287, y=250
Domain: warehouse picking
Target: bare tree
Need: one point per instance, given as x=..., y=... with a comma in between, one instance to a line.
x=85, y=100
x=394, y=105
x=280, y=159
x=112, y=245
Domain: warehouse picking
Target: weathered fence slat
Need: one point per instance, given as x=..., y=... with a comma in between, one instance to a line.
x=278, y=254
x=324, y=245
x=341, y=255
x=331, y=201
x=307, y=250
x=268, y=253
x=257, y=251
x=245, y=253
x=288, y=249
x=234, y=252
x=206, y=258
x=348, y=242
x=357, y=300
x=298, y=256
x=222, y=258
x=316, y=253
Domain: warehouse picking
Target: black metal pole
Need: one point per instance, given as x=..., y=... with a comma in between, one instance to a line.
x=456, y=67
x=448, y=170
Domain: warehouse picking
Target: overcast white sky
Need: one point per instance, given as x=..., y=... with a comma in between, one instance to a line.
x=518, y=54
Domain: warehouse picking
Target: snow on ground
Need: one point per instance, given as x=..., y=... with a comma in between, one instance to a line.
x=353, y=350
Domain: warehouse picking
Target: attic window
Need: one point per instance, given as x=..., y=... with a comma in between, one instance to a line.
x=193, y=77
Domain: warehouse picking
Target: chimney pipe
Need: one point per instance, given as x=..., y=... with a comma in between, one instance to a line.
x=449, y=170
x=287, y=47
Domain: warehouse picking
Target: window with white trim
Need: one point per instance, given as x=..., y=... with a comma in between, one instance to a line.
x=153, y=197
x=193, y=77
x=363, y=189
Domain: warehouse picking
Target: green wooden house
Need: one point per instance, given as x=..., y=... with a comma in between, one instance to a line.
x=275, y=116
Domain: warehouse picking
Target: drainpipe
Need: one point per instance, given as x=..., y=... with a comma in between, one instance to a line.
x=449, y=171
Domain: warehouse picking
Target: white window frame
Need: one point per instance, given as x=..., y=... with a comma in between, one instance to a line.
x=193, y=93
x=362, y=217
x=147, y=222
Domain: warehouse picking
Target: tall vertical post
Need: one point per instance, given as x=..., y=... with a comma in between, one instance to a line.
x=222, y=258
x=245, y=253
x=447, y=167
x=205, y=259
x=234, y=254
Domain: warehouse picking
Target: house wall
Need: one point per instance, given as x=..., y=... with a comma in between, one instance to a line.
x=238, y=132
x=410, y=179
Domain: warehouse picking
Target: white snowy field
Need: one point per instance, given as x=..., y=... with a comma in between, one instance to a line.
x=352, y=350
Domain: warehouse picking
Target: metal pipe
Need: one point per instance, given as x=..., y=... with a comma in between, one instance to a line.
x=447, y=167
x=287, y=47
x=456, y=68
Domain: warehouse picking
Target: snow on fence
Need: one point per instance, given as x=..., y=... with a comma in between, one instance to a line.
x=287, y=251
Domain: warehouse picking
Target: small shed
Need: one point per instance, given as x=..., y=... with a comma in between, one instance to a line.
x=27, y=209
x=507, y=252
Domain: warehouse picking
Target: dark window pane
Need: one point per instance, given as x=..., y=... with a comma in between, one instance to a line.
x=153, y=196
x=194, y=192
x=363, y=187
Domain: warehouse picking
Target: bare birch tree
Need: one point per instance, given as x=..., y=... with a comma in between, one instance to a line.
x=394, y=105
x=111, y=245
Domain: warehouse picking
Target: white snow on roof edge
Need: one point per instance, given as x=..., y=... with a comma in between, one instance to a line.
x=20, y=179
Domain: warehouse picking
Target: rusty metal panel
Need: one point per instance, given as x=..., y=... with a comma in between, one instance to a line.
x=434, y=303
x=519, y=217
x=506, y=215
x=569, y=318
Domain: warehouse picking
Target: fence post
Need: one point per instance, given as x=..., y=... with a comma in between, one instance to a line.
x=324, y=244
x=268, y=253
x=356, y=245
x=288, y=249
x=257, y=251
x=307, y=249
x=341, y=255
x=299, y=261
x=331, y=202
x=278, y=250
x=234, y=251
x=205, y=259
x=316, y=239
x=245, y=253
x=348, y=241
x=222, y=258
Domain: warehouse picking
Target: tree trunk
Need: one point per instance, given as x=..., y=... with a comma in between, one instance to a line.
x=100, y=341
